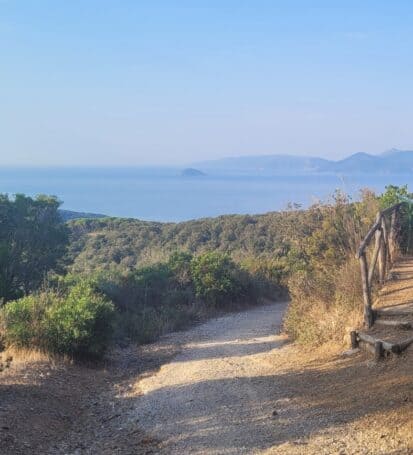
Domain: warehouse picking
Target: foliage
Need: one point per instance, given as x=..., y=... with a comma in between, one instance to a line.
x=81, y=324
x=32, y=241
x=161, y=276
x=217, y=278
x=23, y=320
x=394, y=195
x=78, y=323
x=102, y=244
x=179, y=264
x=164, y=296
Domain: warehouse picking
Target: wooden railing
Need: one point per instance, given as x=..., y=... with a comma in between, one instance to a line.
x=384, y=230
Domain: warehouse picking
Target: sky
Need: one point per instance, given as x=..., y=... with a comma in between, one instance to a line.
x=136, y=82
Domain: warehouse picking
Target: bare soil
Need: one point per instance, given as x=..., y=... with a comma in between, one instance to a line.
x=232, y=385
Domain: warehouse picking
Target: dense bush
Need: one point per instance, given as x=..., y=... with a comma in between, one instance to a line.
x=217, y=279
x=23, y=321
x=81, y=324
x=33, y=240
x=78, y=324
x=152, y=300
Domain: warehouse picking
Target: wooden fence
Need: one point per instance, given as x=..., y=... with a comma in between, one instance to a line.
x=384, y=231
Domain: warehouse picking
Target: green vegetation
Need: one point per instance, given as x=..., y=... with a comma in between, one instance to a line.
x=102, y=244
x=155, y=299
x=394, y=195
x=217, y=279
x=128, y=280
x=78, y=322
x=32, y=242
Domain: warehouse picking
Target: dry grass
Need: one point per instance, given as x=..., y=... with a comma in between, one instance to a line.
x=325, y=307
x=25, y=356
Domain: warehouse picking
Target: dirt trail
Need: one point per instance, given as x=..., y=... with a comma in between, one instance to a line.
x=232, y=385
x=212, y=398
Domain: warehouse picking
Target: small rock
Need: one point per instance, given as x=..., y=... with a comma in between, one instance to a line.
x=350, y=352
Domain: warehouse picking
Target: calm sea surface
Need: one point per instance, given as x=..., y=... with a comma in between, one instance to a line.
x=161, y=194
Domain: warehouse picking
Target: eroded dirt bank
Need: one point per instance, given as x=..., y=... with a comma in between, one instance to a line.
x=232, y=385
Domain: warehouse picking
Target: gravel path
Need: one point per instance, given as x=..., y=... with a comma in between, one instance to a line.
x=212, y=397
x=232, y=385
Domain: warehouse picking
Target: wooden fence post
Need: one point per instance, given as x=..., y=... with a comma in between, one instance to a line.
x=376, y=253
x=368, y=313
x=378, y=350
x=354, y=340
x=392, y=236
x=383, y=251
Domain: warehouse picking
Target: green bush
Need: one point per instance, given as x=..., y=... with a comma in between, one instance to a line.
x=217, y=279
x=179, y=264
x=22, y=321
x=81, y=324
x=78, y=324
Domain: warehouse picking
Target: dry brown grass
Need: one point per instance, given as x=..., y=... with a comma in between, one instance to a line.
x=324, y=308
x=25, y=356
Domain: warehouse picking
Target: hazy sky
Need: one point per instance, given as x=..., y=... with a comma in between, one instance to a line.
x=133, y=82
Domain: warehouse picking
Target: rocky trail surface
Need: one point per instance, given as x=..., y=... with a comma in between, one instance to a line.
x=232, y=385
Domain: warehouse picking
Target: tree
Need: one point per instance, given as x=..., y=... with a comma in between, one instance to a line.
x=32, y=241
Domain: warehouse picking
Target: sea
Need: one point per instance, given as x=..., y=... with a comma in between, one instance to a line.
x=164, y=194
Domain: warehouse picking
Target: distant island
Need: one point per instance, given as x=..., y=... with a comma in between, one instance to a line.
x=67, y=215
x=192, y=172
x=393, y=161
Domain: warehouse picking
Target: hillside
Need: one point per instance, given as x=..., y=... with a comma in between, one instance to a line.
x=103, y=243
x=71, y=215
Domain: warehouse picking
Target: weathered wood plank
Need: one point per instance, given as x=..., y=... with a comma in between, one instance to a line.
x=372, y=340
x=405, y=344
x=381, y=215
x=396, y=324
x=364, y=244
x=391, y=209
x=397, y=313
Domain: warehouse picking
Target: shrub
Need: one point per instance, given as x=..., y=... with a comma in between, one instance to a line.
x=179, y=264
x=79, y=324
x=217, y=278
x=23, y=320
